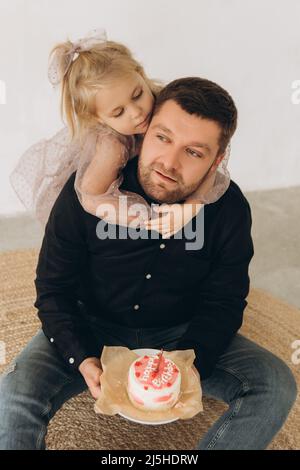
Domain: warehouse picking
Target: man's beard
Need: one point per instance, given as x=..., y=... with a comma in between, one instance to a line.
x=161, y=192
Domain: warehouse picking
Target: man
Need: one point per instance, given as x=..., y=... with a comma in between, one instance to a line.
x=148, y=292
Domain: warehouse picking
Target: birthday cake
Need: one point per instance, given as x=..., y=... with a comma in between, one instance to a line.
x=153, y=382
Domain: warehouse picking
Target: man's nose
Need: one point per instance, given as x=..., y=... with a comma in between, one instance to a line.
x=171, y=158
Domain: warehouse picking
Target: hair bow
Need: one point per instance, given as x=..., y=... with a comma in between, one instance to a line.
x=60, y=62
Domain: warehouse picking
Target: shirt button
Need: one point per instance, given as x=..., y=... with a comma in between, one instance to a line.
x=71, y=360
x=148, y=276
x=162, y=246
x=51, y=340
x=136, y=307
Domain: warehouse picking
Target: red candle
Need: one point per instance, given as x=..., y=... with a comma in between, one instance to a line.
x=159, y=361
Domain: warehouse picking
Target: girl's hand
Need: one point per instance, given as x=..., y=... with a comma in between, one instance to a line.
x=175, y=217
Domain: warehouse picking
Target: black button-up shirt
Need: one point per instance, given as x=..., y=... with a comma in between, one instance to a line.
x=143, y=281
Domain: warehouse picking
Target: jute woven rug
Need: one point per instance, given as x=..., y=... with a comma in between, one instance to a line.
x=268, y=321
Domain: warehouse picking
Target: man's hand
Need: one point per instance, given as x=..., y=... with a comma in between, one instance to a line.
x=91, y=371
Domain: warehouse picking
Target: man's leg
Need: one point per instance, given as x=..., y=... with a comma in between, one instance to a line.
x=33, y=388
x=260, y=391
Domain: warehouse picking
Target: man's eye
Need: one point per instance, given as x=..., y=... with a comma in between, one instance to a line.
x=138, y=96
x=161, y=137
x=194, y=154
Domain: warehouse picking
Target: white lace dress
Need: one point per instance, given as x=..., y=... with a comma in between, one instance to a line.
x=44, y=168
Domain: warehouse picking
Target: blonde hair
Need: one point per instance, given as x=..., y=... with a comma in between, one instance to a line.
x=87, y=74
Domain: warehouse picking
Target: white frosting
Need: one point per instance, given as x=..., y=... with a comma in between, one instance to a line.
x=138, y=394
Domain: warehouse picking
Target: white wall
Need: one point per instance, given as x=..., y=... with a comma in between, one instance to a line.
x=250, y=48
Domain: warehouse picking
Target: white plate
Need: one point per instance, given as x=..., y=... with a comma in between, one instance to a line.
x=142, y=352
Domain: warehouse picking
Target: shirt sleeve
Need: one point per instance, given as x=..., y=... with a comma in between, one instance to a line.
x=221, y=299
x=58, y=279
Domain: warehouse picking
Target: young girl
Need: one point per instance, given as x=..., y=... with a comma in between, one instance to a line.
x=93, y=74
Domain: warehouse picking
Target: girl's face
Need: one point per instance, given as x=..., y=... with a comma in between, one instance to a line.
x=126, y=105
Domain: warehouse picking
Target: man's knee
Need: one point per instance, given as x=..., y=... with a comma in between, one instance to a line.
x=17, y=385
x=280, y=385
x=31, y=379
x=26, y=393
x=7, y=380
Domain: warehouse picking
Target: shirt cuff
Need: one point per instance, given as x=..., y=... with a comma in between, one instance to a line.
x=72, y=350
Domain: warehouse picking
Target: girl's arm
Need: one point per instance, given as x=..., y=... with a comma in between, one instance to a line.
x=176, y=216
x=97, y=182
x=97, y=176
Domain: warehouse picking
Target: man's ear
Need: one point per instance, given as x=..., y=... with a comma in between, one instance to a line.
x=217, y=162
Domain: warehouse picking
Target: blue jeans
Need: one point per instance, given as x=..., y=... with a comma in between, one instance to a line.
x=258, y=387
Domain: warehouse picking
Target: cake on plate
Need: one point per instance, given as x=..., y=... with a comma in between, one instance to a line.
x=153, y=382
